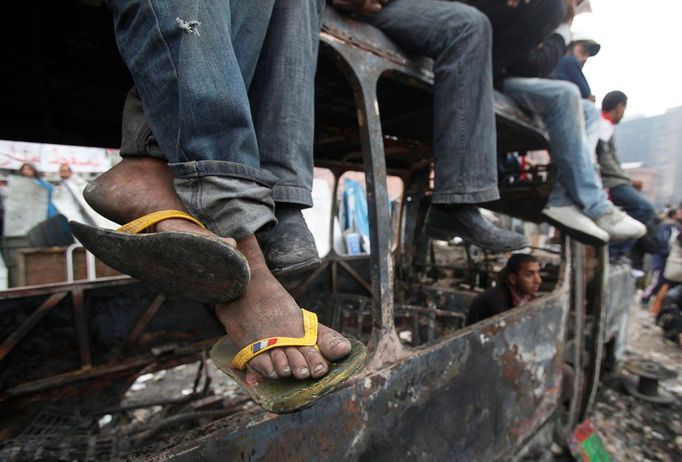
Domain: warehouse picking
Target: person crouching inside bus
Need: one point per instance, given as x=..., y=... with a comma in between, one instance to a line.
x=518, y=284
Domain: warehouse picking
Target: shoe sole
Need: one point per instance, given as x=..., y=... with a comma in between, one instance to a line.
x=191, y=266
x=445, y=235
x=578, y=235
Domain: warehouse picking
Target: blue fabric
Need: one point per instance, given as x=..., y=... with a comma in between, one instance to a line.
x=561, y=109
x=571, y=70
x=51, y=209
x=228, y=92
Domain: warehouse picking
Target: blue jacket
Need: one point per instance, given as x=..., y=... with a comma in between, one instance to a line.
x=570, y=69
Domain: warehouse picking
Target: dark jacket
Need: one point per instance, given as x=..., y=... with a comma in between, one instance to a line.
x=493, y=301
x=612, y=173
x=540, y=61
x=570, y=69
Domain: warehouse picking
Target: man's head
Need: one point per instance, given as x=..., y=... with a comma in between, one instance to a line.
x=65, y=171
x=522, y=273
x=584, y=49
x=614, y=104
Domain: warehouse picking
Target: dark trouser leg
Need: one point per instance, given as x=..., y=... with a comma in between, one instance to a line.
x=458, y=39
x=517, y=30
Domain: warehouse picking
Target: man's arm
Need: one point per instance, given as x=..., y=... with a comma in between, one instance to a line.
x=569, y=70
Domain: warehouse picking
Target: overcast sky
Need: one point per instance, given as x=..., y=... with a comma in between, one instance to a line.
x=641, y=52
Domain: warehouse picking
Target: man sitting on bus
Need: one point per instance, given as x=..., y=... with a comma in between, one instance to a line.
x=518, y=284
x=458, y=38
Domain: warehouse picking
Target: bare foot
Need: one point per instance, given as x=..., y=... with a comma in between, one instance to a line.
x=135, y=187
x=265, y=310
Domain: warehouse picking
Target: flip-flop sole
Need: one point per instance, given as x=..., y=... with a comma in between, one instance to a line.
x=288, y=395
x=193, y=266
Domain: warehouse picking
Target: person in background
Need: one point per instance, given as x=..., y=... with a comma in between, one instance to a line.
x=518, y=284
x=570, y=67
x=621, y=188
x=669, y=319
x=669, y=225
x=30, y=171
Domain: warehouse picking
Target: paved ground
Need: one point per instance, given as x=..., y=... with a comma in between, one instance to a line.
x=634, y=430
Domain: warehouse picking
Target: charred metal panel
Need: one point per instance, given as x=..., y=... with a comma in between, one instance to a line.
x=620, y=290
x=478, y=395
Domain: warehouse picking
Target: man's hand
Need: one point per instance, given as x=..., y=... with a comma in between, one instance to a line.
x=637, y=184
x=360, y=6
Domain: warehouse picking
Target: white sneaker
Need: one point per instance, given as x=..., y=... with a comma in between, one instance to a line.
x=620, y=226
x=571, y=220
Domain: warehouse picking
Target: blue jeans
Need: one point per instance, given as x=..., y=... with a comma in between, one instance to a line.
x=560, y=106
x=230, y=101
x=458, y=38
x=634, y=204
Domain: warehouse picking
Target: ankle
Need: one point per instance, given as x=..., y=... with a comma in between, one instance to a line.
x=287, y=211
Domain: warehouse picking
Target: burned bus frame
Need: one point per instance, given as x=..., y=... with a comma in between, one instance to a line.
x=489, y=391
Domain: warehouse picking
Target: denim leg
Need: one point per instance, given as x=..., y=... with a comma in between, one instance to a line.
x=185, y=67
x=283, y=101
x=558, y=103
x=592, y=120
x=458, y=38
x=633, y=202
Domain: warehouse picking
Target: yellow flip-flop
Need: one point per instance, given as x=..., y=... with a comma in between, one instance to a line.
x=194, y=266
x=286, y=394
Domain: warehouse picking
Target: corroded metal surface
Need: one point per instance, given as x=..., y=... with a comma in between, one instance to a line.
x=477, y=395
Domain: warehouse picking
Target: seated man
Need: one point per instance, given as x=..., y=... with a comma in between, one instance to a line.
x=621, y=187
x=458, y=38
x=570, y=67
x=518, y=283
x=224, y=102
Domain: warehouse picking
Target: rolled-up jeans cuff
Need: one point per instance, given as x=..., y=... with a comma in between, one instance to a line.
x=292, y=195
x=472, y=197
x=232, y=200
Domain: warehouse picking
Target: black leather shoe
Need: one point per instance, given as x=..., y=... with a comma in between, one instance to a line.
x=444, y=222
x=289, y=247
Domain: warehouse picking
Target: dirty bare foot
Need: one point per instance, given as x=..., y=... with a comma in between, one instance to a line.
x=265, y=310
x=135, y=187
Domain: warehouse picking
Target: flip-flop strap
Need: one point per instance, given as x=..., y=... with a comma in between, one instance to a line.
x=309, y=338
x=144, y=222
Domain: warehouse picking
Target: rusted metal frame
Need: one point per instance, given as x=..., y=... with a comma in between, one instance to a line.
x=140, y=326
x=46, y=289
x=105, y=370
x=354, y=274
x=35, y=317
x=597, y=333
x=81, y=328
x=573, y=256
x=363, y=71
